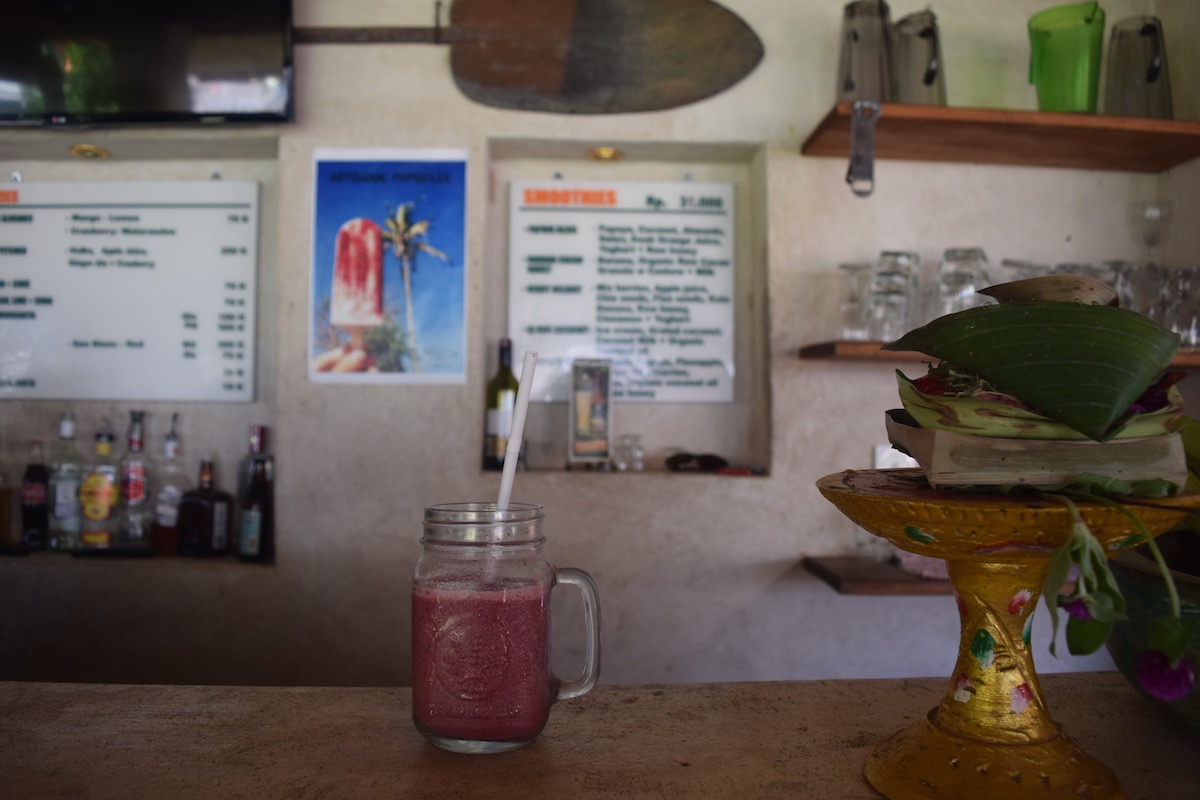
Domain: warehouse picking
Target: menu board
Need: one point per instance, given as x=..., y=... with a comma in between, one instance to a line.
x=128, y=291
x=637, y=273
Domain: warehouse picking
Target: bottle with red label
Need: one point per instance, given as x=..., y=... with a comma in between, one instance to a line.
x=35, y=512
x=136, y=512
x=171, y=483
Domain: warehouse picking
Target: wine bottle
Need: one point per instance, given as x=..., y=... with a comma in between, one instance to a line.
x=500, y=400
x=258, y=452
x=256, y=534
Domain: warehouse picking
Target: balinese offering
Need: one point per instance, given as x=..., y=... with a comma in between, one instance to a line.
x=1046, y=429
x=1084, y=384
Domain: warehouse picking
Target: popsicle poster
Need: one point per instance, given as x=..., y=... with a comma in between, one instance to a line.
x=388, y=280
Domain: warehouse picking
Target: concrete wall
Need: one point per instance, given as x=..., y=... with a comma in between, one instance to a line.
x=699, y=575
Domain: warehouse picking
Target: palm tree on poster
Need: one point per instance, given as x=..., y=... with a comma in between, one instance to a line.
x=407, y=239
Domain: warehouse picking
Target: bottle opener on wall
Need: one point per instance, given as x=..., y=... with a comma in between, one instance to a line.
x=861, y=173
x=581, y=56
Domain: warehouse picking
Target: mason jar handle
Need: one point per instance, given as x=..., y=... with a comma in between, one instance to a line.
x=591, y=621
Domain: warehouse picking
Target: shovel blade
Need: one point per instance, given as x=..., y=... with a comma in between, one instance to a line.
x=598, y=56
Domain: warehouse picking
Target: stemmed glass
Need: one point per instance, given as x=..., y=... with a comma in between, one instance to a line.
x=1151, y=219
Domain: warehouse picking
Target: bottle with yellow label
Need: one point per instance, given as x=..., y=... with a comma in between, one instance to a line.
x=99, y=495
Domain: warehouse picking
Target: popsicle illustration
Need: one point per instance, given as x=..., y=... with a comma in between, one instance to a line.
x=357, y=277
x=356, y=303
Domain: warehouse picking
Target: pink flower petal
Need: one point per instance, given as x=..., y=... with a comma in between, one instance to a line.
x=1020, y=698
x=1018, y=602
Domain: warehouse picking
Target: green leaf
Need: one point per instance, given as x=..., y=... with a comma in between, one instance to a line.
x=1083, y=365
x=1086, y=636
x=1102, y=484
x=1056, y=576
x=1171, y=636
x=1155, y=487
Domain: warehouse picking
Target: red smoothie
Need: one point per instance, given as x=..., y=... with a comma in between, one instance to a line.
x=481, y=663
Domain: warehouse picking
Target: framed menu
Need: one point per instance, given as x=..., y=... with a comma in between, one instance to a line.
x=128, y=291
x=638, y=273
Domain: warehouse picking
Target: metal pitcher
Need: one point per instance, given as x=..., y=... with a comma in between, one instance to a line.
x=918, y=69
x=864, y=68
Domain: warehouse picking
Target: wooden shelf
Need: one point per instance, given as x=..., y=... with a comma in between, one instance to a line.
x=1026, y=138
x=858, y=351
x=852, y=575
x=871, y=351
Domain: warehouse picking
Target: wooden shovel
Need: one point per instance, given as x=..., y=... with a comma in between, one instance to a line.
x=581, y=56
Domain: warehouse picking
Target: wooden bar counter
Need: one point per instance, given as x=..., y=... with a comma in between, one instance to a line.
x=738, y=740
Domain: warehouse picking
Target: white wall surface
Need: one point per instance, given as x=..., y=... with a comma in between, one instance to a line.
x=699, y=575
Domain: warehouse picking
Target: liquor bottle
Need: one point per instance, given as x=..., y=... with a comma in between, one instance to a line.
x=258, y=452
x=256, y=533
x=164, y=535
x=10, y=543
x=66, y=473
x=205, y=515
x=499, y=402
x=135, y=513
x=35, y=513
x=99, y=496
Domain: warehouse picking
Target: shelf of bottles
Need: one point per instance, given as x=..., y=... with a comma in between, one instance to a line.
x=110, y=500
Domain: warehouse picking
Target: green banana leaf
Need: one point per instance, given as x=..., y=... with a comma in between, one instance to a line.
x=1080, y=364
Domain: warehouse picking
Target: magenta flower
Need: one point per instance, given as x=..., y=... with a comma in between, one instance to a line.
x=1077, y=609
x=1161, y=680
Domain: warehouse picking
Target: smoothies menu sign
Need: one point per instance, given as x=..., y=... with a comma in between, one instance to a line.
x=638, y=273
x=128, y=291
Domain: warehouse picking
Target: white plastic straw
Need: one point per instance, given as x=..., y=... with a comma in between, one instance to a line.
x=513, y=452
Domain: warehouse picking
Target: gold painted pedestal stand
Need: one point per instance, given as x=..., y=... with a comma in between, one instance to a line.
x=992, y=737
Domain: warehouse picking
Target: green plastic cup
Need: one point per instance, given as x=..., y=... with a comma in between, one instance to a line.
x=1064, y=63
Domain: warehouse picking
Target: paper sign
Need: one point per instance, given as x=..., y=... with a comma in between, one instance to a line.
x=128, y=291
x=640, y=274
x=388, y=267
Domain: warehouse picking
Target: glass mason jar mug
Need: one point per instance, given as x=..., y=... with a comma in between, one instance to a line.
x=482, y=680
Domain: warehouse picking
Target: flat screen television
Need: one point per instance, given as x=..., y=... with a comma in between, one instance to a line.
x=66, y=63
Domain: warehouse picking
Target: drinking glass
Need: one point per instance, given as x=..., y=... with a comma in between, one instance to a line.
x=853, y=309
x=962, y=273
x=1180, y=303
x=629, y=455
x=1015, y=269
x=891, y=306
x=482, y=681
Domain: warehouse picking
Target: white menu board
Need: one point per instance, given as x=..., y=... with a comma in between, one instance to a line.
x=128, y=291
x=638, y=273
